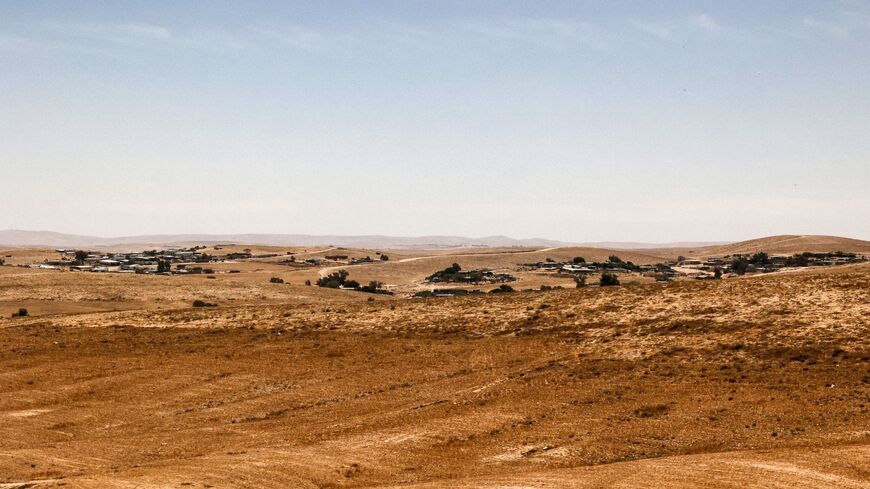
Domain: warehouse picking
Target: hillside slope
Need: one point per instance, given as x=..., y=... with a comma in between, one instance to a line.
x=787, y=244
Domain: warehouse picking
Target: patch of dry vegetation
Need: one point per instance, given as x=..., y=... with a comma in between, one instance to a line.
x=768, y=377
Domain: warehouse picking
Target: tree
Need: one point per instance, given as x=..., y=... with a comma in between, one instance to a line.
x=580, y=280
x=163, y=266
x=81, y=256
x=614, y=259
x=608, y=279
x=717, y=272
x=760, y=258
x=681, y=258
x=334, y=280
x=739, y=266
x=455, y=268
x=578, y=260
x=385, y=258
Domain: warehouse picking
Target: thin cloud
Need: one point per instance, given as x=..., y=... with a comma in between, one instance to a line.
x=118, y=33
x=295, y=36
x=679, y=28
x=658, y=30
x=548, y=33
x=833, y=29
x=705, y=21
x=144, y=30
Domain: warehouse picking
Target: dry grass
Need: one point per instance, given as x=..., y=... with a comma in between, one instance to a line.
x=755, y=381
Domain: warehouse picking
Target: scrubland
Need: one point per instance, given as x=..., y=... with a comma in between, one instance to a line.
x=758, y=381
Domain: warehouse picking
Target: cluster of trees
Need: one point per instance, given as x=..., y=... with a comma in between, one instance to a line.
x=454, y=273
x=615, y=262
x=740, y=265
x=336, y=280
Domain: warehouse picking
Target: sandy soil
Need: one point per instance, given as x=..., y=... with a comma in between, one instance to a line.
x=762, y=381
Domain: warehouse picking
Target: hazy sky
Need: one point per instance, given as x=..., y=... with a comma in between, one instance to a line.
x=580, y=121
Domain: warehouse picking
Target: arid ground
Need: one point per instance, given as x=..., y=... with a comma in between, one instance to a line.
x=115, y=381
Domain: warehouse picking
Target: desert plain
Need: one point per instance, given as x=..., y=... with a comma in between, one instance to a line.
x=115, y=381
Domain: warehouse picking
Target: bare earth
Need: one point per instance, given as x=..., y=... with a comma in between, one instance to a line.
x=751, y=382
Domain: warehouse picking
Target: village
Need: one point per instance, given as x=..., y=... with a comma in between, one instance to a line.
x=196, y=260
x=701, y=269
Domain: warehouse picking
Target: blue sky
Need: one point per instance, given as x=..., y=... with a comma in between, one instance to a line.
x=581, y=121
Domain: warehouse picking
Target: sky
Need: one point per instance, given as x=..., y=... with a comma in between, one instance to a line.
x=578, y=121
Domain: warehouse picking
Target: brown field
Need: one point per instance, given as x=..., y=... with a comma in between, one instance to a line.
x=114, y=381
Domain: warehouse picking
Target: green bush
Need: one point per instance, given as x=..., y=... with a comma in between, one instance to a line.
x=334, y=280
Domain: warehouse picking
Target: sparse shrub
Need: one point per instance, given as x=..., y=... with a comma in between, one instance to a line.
x=503, y=288
x=374, y=287
x=385, y=258
x=580, y=280
x=608, y=279
x=651, y=411
x=276, y=280
x=798, y=260
x=22, y=312
x=202, y=303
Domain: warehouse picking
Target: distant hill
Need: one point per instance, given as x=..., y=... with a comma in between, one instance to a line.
x=788, y=244
x=19, y=238
x=631, y=245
